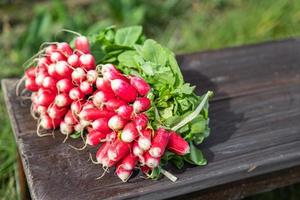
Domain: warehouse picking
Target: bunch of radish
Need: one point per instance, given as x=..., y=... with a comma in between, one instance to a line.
x=71, y=93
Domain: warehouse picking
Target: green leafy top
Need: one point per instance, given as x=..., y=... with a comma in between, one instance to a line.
x=175, y=105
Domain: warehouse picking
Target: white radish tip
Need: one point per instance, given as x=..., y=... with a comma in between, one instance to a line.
x=124, y=176
x=111, y=155
x=126, y=136
x=152, y=163
x=155, y=152
x=127, y=166
x=144, y=143
x=115, y=84
x=137, y=151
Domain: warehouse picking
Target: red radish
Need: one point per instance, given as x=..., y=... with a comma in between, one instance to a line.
x=110, y=72
x=137, y=151
x=62, y=100
x=49, y=83
x=78, y=75
x=159, y=143
x=103, y=85
x=125, y=111
x=40, y=78
x=123, y=174
x=151, y=161
x=51, y=71
x=101, y=124
x=41, y=110
x=50, y=49
x=86, y=87
x=129, y=162
x=129, y=132
x=45, y=97
x=118, y=150
x=70, y=118
x=144, y=140
x=141, y=121
x=114, y=104
x=87, y=105
x=177, y=144
x=62, y=69
x=65, y=128
x=76, y=107
x=140, y=85
x=100, y=97
x=87, y=61
x=41, y=70
x=82, y=44
x=141, y=160
x=84, y=123
x=65, y=49
x=78, y=127
x=124, y=90
x=102, y=151
x=94, y=137
x=64, y=85
x=76, y=94
x=73, y=60
x=56, y=56
x=110, y=137
x=91, y=114
x=145, y=169
x=31, y=85
x=56, y=112
x=48, y=123
x=116, y=122
x=43, y=62
x=34, y=98
x=30, y=72
x=141, y=104
x=91, y=76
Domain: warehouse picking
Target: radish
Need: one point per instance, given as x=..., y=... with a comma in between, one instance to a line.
x=78, y=75
x=49, y=83
x=124, y=90
x=62, y=100
x=151, y=161
x=45, y=97
x=87, y=61
x=159, y=143
x=129, y=133
x=125, y=111
x=43, y=62
x=64, y=85
x=145, y=169
x=86, y=87
x=50, y=49
x=30, y=72
x=129, y=162
x=101, y=124
x=51, y=71
x=31, y=85
x=56, y=112
x=177, y=144
x=65, y=49
x=94, y=137
x=40, y=78
x=78, y=127
x=73, y=60
x=87, y=105
x=114, y=104
x=100, y=97
x=123, y=174
x=144, y=140
x=103, y=85
x=65, y=128
x=76, y=94
x=91, y=114
x=141, y=121
x=116, y=122
x=62, y=69
x=70, y=118
x=110, y=72
x=118, y=150
x=34, y=98
x=102, y=151
x=41, y=110
x=57, y=56
x=91, y=76
x=48, y=123
x=140, y=85
x=76, y=106
x=82, y=44
x=141, y=104
x=137, y=151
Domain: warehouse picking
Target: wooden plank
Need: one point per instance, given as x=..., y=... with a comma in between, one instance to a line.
x=254, y=120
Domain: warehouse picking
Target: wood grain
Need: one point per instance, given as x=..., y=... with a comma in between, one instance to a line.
x=254, y=121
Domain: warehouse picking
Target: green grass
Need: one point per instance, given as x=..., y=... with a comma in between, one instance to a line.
x=183, y=26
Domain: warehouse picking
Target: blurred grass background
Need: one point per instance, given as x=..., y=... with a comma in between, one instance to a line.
x=183, y=26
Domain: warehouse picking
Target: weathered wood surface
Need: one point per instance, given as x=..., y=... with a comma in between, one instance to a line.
x=255, y=127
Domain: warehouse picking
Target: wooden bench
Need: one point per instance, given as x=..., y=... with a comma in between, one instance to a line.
x=254, y=144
